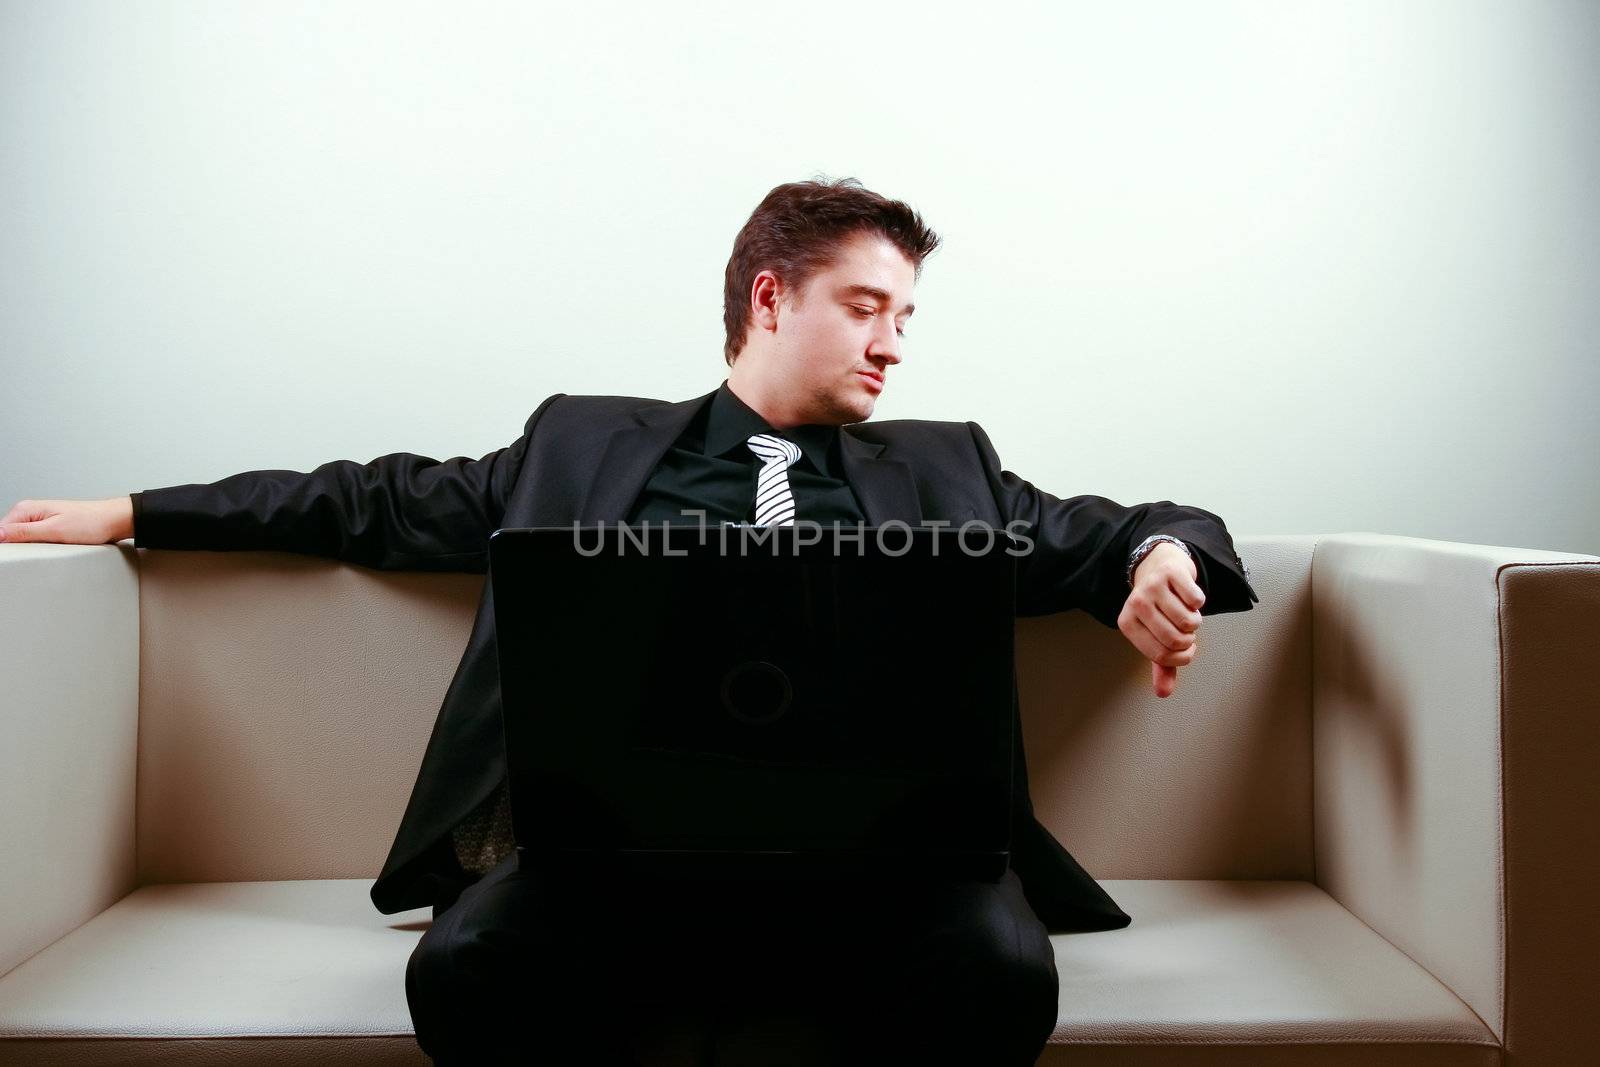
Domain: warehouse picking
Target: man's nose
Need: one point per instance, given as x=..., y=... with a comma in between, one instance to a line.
x=886, y=345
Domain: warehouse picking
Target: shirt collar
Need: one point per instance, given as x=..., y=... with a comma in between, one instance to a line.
x=732, y=422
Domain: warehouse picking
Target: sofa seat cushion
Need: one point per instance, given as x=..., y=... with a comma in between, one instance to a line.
x=245, y=972
x=1250, y=972
x=237, y=972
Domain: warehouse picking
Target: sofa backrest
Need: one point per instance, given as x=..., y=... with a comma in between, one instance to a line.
x=285, y=703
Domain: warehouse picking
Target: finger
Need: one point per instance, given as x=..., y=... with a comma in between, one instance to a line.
x=1179, y=606
x=1181, y=658
x=1154, y=650
x=1139, y=635
x=1172, y=623
x=24, y=511
x=1189, y=592
x=1164, y=679
x=1173, y=656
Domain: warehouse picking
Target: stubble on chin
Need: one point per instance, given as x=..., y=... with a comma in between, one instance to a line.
x=834, y=410
x=842, y=413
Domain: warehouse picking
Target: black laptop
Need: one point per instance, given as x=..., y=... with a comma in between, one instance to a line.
x=746, y=701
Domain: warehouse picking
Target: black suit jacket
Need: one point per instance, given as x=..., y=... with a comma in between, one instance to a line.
x=585, y=459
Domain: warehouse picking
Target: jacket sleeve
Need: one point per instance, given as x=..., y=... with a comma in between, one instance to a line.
x=1077, y=548
x=398, y=512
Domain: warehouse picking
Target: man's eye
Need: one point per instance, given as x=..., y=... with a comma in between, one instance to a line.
x=869, y=312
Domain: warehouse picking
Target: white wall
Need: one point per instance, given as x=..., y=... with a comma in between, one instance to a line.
x=1314, y=267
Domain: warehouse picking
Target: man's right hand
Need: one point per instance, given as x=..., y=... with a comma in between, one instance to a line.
x=69, y=522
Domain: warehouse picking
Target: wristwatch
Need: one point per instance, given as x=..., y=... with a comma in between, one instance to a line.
x=1144, y=550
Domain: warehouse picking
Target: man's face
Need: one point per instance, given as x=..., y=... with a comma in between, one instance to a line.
x=836, y=346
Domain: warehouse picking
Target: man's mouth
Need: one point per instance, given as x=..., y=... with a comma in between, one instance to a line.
x=873, y=377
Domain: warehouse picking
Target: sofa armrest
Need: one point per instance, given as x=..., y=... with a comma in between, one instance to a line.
x=69, y=675
x=1455, y=737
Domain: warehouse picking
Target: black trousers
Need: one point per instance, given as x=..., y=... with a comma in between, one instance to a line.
x=532, y=968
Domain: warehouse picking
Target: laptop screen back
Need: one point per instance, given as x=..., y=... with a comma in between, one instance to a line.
x=685, y=691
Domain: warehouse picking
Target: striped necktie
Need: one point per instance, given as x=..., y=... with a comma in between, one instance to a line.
x=774, y=501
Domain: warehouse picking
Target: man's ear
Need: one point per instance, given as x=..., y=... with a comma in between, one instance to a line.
x=766, y=293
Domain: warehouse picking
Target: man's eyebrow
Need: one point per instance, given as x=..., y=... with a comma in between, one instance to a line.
x=877, y=294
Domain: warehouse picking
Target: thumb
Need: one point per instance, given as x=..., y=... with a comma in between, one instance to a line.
x=1164, y=679
x=21, y=531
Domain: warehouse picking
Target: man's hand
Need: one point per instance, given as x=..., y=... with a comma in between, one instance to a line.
x=69, y=522
x=1162, y=614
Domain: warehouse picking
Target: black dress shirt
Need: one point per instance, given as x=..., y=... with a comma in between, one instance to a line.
x=710, y=468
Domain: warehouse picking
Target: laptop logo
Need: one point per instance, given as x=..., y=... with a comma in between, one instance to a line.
x=756, y=692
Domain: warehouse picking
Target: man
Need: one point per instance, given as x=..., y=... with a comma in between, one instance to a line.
x=817, y=296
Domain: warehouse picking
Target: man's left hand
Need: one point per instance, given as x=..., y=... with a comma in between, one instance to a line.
x=1162, y=613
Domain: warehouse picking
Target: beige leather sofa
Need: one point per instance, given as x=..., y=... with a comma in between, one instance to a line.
x=1363, y=831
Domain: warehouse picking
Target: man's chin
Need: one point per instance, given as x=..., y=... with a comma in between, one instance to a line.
x=844, y=412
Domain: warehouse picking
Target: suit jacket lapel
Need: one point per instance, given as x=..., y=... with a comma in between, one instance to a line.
x=884, y=487
x=631, y=454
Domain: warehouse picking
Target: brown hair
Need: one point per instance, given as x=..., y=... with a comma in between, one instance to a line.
x=795, y=231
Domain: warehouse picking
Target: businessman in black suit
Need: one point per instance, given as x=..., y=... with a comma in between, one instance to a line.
x=818, y=292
